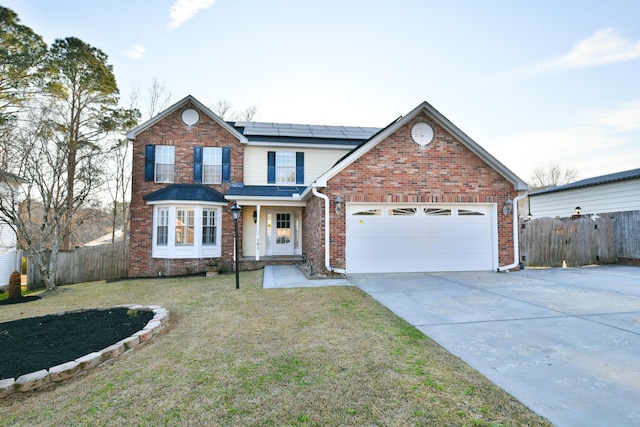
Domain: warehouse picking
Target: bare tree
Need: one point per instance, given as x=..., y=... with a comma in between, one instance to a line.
x=38, y=211
x=248, y=114
x=552, y=174
x=158, y=97
x=223, y=109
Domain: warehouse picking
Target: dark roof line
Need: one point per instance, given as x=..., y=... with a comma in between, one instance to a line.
x=186, y=192
x=588, y=182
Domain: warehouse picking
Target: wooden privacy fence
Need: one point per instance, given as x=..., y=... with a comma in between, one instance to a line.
x=86, y=264
x=548, y=242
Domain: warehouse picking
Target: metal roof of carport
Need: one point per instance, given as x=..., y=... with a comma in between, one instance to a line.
x=588, y=182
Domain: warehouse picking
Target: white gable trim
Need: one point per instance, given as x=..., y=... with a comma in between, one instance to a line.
x=442, y=121
x=149, y=123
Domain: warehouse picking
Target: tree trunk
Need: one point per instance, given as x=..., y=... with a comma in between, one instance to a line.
x=71, y=172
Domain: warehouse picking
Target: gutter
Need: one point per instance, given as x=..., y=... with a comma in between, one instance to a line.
x=327, y=254
x=516, y=245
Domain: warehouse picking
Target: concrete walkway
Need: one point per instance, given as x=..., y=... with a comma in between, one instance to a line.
x=290, y=276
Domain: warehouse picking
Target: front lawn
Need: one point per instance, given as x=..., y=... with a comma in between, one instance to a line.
x=254, y=357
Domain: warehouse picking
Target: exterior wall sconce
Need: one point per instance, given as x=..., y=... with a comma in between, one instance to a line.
x=578, y=210
x=339, y=203
x=255, y=216
x=529, y=216
x=508, y=207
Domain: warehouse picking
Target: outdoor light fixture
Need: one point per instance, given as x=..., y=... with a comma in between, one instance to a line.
x=578, y=210
x=255, y=216
x=508, y=207
x=529, y=216
x=339, y=203
x=235, y=211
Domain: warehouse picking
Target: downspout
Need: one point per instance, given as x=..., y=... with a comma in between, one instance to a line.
x=327, y=254
x=516, y=245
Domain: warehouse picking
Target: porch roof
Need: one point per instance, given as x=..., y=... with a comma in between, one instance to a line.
x=186, y=192
x=265, y=191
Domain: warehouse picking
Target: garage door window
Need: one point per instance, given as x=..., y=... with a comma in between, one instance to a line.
x=465, y=212
x=368, y=212
x=402, y=211
x=437, y=211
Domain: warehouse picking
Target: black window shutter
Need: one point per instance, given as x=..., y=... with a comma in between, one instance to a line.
x=197, y=164
x=149, y=162
x=299, y=168
x=226, y=164
x=271, y=168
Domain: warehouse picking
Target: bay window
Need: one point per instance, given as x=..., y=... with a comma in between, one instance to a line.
x=186, y=230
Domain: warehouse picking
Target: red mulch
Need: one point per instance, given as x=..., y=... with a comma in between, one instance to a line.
x=36, y=343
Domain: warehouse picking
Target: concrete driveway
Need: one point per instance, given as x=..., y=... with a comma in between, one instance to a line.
x=565, y=342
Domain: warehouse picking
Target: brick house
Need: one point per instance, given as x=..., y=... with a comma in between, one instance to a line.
x=417, y=195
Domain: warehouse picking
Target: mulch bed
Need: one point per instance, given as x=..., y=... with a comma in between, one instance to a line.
x=37, y=343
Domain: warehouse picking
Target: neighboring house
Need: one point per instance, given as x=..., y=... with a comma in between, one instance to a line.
x=615, y=195
x=418, y=195
x=9, y=256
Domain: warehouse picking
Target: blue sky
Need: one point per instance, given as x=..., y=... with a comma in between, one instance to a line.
x=532, y=82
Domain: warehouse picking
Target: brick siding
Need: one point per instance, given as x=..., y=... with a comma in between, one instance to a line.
x=397, y=170
x=172, y=131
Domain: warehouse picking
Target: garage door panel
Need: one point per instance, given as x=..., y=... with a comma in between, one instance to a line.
x=422, y=241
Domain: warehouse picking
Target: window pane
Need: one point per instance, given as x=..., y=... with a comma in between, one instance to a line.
x=402, y=211
x=184, y=226
x=369, y=212
x=437, y=211
x=286, y=167
x=164, y=163
x=212, y=165
x=162, y=233
x=466, y=212
x=208, y=226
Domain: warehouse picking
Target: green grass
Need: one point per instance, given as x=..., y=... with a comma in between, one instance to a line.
x=254, y=357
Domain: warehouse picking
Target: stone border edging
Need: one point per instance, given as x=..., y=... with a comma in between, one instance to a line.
x=35, y=380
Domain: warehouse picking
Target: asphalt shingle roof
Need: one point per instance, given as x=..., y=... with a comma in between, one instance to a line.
x=264, y=190
x=191, y=192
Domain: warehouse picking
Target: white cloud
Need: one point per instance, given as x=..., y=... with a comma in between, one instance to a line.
x=626, y=117
x=605, y=46
x=183, y=10
x=135, y=52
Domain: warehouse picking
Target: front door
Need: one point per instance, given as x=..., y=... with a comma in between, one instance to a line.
x=283, y=237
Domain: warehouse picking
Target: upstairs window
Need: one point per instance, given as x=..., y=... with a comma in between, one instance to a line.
x=164, y=163
x=212, y=165
x=285, y=167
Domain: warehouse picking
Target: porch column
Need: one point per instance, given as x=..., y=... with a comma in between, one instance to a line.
x=258, y=233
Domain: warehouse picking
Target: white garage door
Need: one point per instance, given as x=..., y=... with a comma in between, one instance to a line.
x=420, y=238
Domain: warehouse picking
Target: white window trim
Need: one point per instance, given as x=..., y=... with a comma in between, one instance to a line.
x=197, y=250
